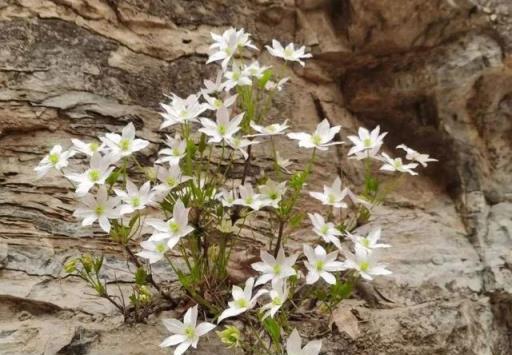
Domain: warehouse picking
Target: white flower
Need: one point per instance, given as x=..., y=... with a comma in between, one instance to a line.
x=174, y=229
x=327, y=231
x=320, y=139
x=282, y=162
x=97, y=173
x=134, y=198
x=320, y=265
x=124, y=144
x=413, y=155
x=255, y=69
x=152, y=250
x=243, y=300
x=396, y=164
x=175, y=152
x=371, y=241
x=240, y=144
x=87, y=148
x=181, y=110
x=226, y=45
x=364, y=263
x=248, y=197
x=270, y=130
x=214, y=103
x=272, y=192
x=366, y=144
x=56, y=159
x=100, y=208
x=293, y=345
x=223, y=128
x=274, y=269
x=332, y=195
x=186, y=334
x=236, y=77
x=289, y=53
x=278, y=295
x=211, y=87
x=226, y=197
x=271, y=85
x=170, y=178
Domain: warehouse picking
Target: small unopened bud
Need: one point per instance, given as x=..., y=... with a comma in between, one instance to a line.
x=226, y=226
x=150, y=173
x=213, y=252
x=70, y=266
x=87, y=262
x=230, y=336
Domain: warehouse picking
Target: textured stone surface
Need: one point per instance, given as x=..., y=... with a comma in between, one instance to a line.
x=436, y=74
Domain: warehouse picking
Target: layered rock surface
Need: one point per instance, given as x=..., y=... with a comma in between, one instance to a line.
x=436, y=74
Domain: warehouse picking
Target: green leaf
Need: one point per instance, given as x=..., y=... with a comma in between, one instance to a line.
x=298, y=180
x=267, y=75
x=140, y=276
x=341, y=290
x=273, y=329
x=296, y=219
x=201, y=147
x=113, y=177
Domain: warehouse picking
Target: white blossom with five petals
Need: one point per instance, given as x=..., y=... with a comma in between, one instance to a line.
x=321, y=265
x=320, y=139
x=274, y=269
x=185, y=333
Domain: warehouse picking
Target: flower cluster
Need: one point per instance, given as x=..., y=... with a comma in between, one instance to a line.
x=196, y=204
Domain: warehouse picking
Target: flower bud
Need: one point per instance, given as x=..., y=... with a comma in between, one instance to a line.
x=230, y=336
x=213, y=252
x=150, y=173
x=70, y=266
x=87, y=262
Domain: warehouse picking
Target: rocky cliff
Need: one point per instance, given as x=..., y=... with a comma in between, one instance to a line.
x=436, y=74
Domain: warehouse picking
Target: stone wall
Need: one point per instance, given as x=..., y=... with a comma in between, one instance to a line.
x=436, y=74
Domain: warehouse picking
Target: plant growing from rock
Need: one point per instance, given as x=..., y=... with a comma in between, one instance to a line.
x=197, y=203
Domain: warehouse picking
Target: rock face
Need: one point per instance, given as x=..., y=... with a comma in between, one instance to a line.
x=436, y=74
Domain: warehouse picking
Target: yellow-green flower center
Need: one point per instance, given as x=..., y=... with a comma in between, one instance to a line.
x=364, y=266
x=273, y=195
x=175, y=151
x=319, y=265
x=277, y=269
x=93, y=146
x=171, y=181
x=160, y=248
x=365, y=242
x=271, y=128
x=367, y=143
x=249, y=200
x=183, y=113
x=221, y=129
x=288, y=52
x=99, y=210
x=135, y=201
x=324, y=229
x=190, y=332
x=54, y=158
x=174, y=227
x=124, y=144
x=94, y=175
x=331, y=198
x=236, y=76
x=217, y=103
x=316, y=139
x=277, y=301
x=241, y=303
